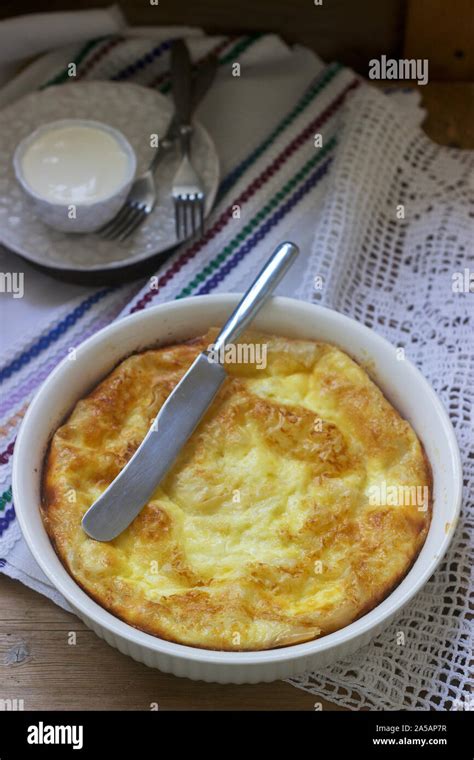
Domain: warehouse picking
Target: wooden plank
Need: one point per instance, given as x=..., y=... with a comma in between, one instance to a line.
x=450, y=111
x=39, y=666
x=443, y=32
x=450, y=107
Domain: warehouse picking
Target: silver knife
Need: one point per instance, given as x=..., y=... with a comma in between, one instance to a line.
x=179, y=416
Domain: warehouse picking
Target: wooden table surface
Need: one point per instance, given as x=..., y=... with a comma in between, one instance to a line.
x=39, y=666
x=450, y=111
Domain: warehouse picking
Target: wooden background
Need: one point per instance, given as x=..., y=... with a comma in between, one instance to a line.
x=37, y=664
x=345, y=29
x=353, y=31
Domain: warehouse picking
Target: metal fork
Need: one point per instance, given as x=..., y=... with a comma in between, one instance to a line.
x=141, y=199
x=140, y=202
x=188, y=195
x=187, y=191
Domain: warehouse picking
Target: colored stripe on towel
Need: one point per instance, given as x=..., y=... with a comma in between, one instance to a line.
x=90, y=62
x=138, y=65
x=315, y=87
x=5, y=498
x=7, y=519
x=240, y=47
x=5, y=455
x=217, y=50
x=46, y=340
x=63, y=75
x=96, y=50
x=259, y=235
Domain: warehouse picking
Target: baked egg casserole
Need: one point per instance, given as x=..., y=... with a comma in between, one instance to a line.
x=297, y=505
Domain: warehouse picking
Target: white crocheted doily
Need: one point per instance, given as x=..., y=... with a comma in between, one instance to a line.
x=396, y=276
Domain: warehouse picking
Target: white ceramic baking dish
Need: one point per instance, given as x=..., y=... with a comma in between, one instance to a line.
x=401, y=382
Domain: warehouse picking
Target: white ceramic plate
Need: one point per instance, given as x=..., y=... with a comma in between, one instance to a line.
x=138, y=112
x=402, y=383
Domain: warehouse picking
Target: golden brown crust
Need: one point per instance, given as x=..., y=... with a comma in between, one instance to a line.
x=278, y=522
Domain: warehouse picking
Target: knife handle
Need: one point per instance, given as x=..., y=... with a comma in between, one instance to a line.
x=182, y=81
x=257, y=294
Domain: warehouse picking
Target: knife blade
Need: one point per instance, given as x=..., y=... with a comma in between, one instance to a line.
x=174, y=424
x=181, y=413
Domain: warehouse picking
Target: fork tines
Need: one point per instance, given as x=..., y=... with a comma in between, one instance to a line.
x=122, y=226
x=189, y=213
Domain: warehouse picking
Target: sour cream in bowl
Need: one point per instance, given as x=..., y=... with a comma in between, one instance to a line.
x=76, y=172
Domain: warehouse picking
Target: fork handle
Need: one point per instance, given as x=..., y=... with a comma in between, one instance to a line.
x=160, y=152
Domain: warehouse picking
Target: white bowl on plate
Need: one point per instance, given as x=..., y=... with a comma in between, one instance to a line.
x=90, y=215
x=179, y=320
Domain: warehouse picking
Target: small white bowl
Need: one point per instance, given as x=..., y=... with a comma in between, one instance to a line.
x=179, y=320
x=88, y=216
